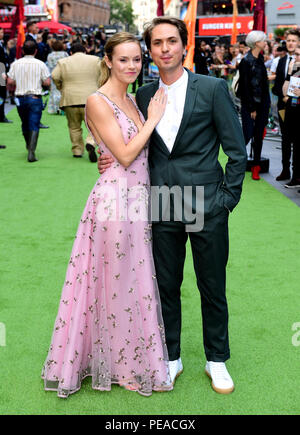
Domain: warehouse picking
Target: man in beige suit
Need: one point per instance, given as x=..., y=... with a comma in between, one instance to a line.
x=77, y=77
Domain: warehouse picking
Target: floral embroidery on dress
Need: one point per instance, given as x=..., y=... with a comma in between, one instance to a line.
x=109, y=324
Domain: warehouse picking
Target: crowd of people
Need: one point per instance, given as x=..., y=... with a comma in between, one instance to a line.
x=50, y=47
x=42, y=52
x=221, y=60
x=216, y=59
x=264, y=67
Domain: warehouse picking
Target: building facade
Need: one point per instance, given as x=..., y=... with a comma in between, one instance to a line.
x=281, y=13
x=145, y=11
x=84, y=13
x=174, y=9
x=75, y=13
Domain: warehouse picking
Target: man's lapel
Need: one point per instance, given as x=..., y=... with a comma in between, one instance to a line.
x=144, y=102
x=188, y=106
x=156, y=137
x=284, y=61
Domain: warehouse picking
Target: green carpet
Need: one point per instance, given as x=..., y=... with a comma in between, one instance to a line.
x=41, y=204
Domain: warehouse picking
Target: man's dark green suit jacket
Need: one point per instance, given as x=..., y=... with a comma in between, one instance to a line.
x=209, y=120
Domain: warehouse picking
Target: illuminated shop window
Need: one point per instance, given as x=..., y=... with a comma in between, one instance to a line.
x=224, y=7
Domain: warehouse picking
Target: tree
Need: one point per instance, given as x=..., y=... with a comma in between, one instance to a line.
x=280, y=31
x=121, y=11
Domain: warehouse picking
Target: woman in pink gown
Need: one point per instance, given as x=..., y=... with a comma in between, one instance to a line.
x=109, y=324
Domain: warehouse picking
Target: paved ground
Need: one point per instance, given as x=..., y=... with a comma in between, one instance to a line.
x=271, y=150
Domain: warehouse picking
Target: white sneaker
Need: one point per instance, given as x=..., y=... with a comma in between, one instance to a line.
x=221, y=379
x=175, y=369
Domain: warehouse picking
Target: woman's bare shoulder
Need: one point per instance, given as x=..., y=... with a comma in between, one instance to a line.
x=93, y=98
x=93, y=105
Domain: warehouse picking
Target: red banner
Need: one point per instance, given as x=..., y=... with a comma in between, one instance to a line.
x=160, y=8
x=259, y=16
x=18, y=23
x=215, y=26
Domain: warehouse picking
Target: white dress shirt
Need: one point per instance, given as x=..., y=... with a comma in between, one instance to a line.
x=290, y=58
x=169, y=124
x=28, y=73
x=274, y=64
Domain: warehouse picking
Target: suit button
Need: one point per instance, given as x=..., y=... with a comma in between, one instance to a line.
x=170, y=158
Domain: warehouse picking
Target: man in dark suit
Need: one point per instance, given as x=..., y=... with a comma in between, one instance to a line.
x=292, y=42
x=32, y=30
x=184, y=152
x=200, y=58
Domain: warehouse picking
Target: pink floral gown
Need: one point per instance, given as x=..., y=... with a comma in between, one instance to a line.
x=109, y=324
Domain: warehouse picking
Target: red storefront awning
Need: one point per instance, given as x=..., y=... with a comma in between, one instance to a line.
x=215, y=26
x=5, y=25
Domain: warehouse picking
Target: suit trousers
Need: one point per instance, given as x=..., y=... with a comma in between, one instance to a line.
x=255, y=129
x=210, y=255
x=75, y=116
x=291, y=121
x=2, y=102
x=286, y=146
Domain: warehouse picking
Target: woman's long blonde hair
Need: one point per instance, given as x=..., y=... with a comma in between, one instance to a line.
x=116, y=39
